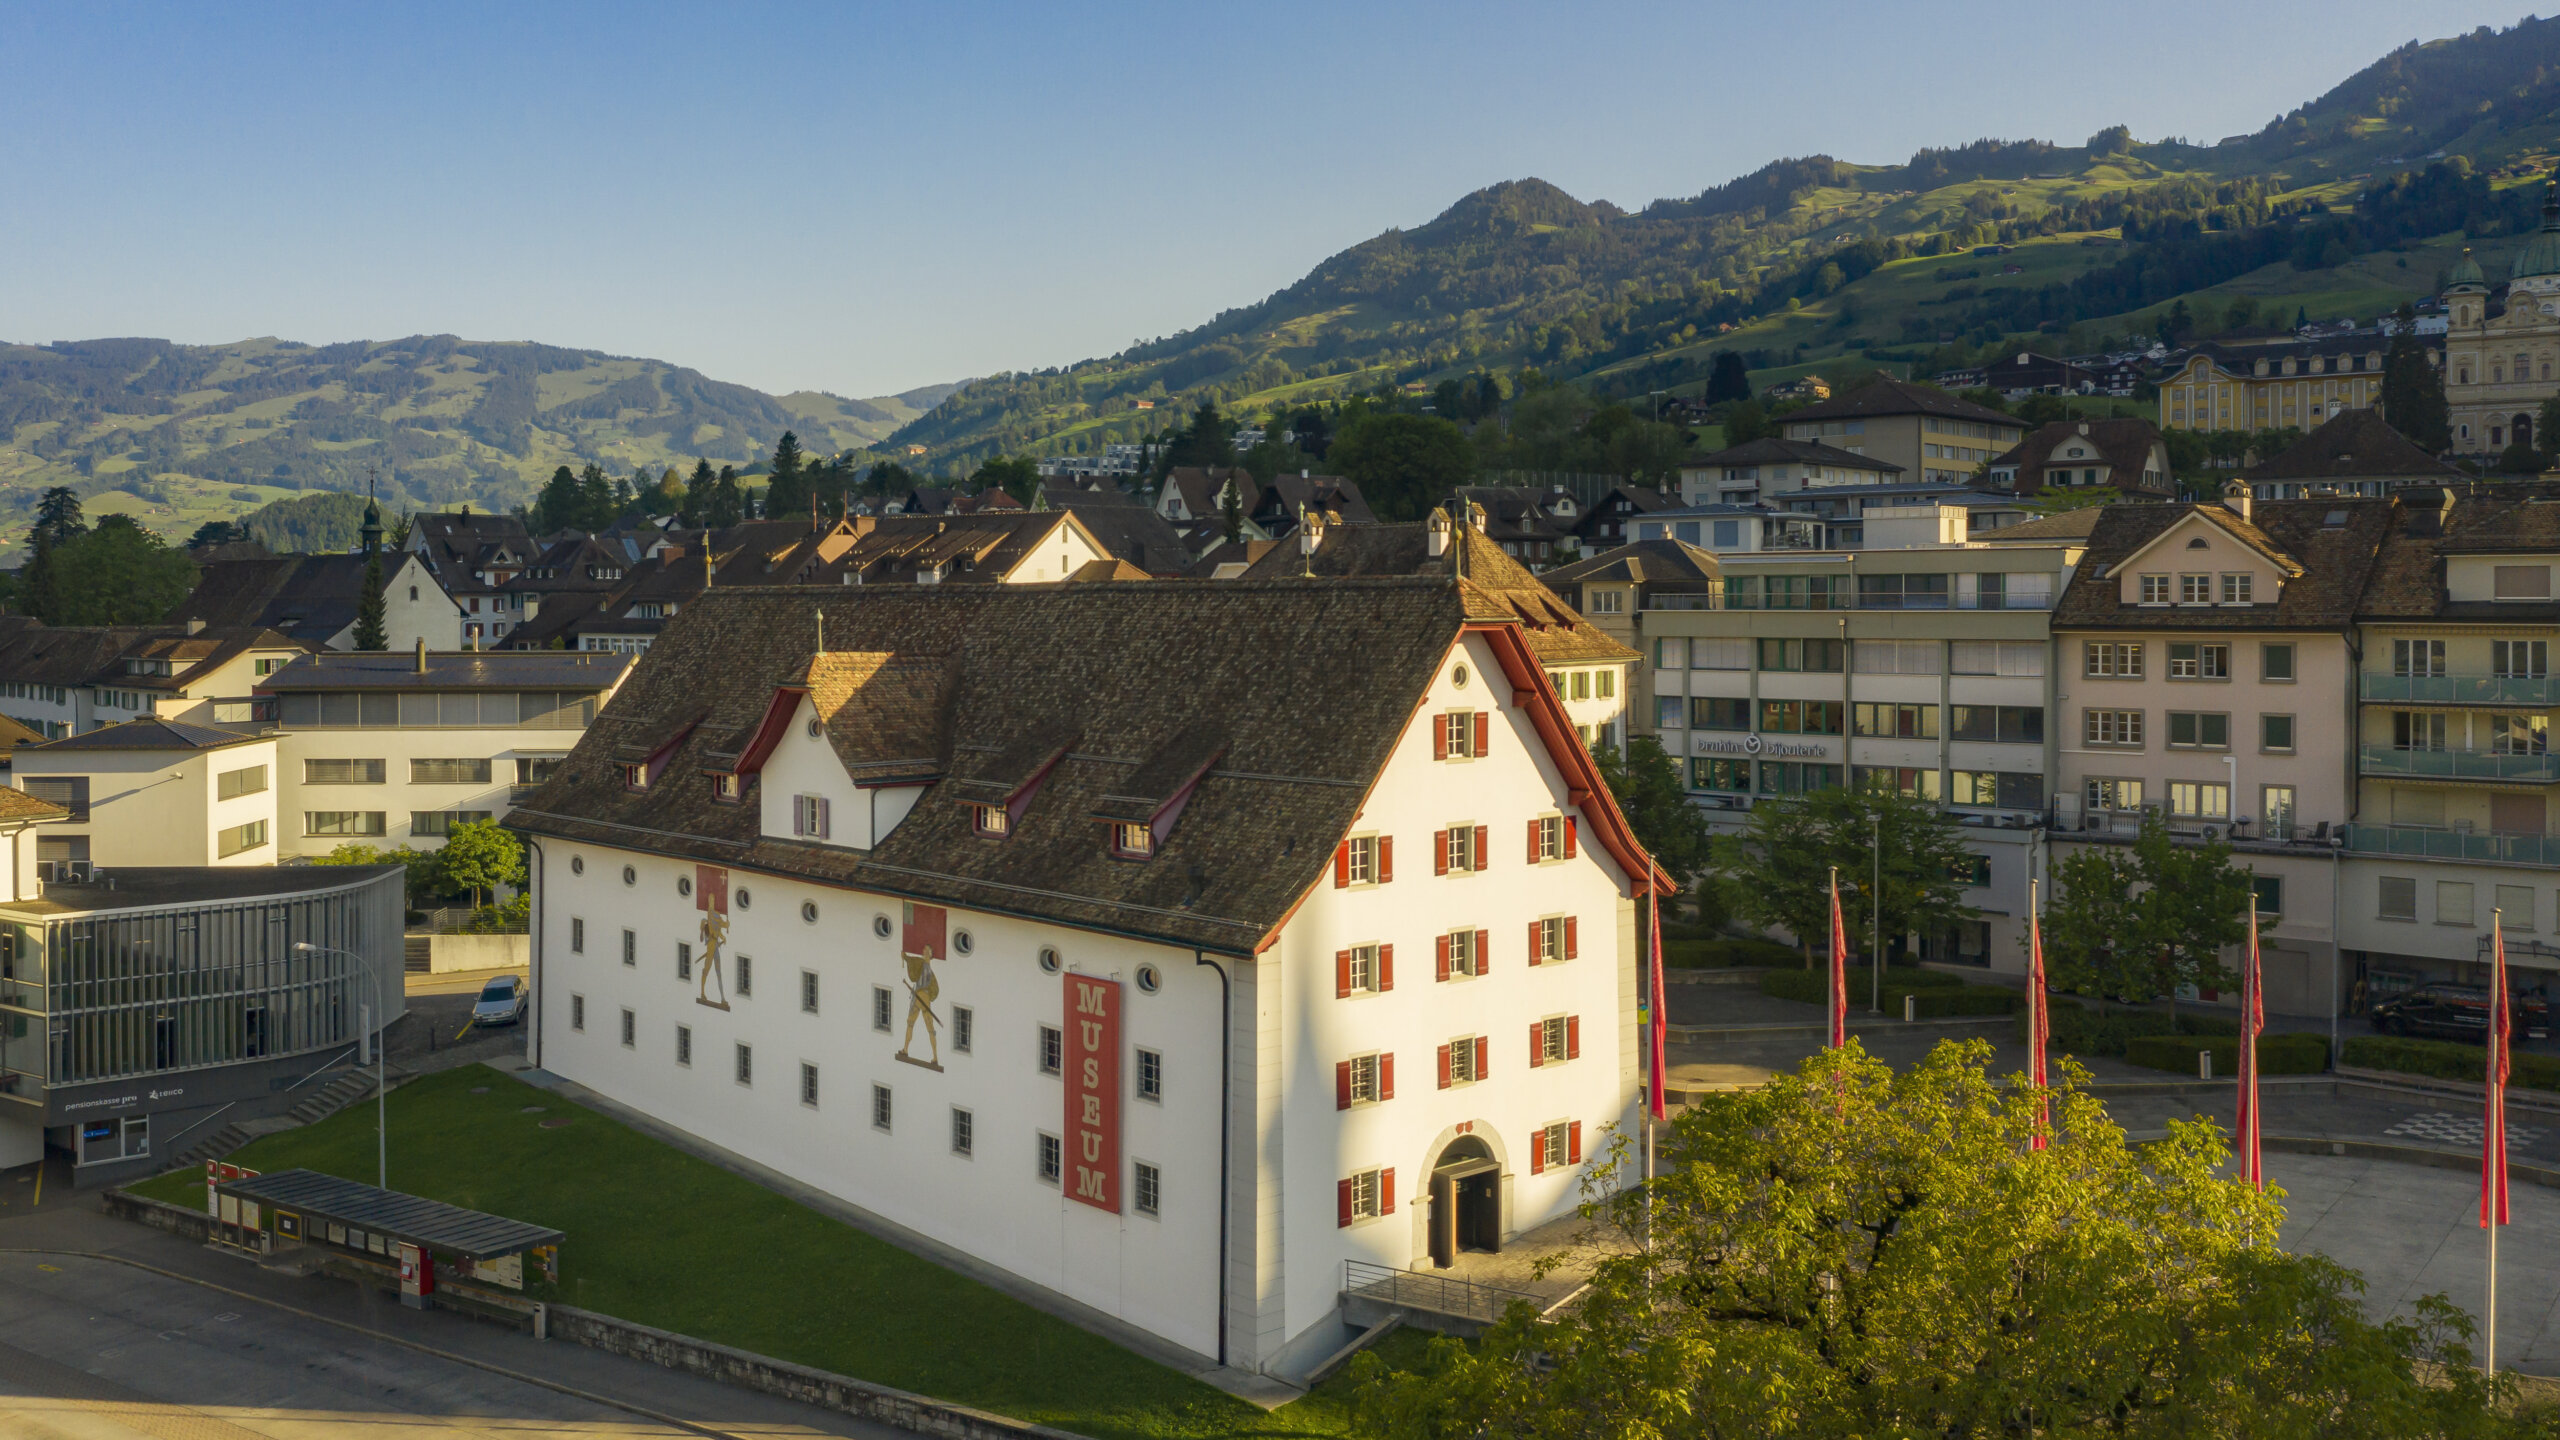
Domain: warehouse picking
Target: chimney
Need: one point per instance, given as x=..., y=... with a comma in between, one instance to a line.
x=2425, y=508
x=1436, y=532
x=2235, y=497
x=422, y=654
x=195, y=627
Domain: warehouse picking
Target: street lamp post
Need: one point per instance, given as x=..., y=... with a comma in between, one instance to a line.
x=373, y=991
x=1875, y=912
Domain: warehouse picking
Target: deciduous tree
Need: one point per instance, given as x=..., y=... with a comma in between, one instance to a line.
x=1403, y=464
x=480, y=855
x=1781, y=862
x=1646, y=782
x=116, y=574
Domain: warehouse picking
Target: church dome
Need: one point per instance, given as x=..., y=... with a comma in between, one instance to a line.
x=2466, y=271
x=2541, y=254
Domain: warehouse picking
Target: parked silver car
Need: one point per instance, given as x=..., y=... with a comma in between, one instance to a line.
x=501, y=1002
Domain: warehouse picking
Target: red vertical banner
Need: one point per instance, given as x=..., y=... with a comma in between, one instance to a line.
x=1093, y=1092
x=711, y=889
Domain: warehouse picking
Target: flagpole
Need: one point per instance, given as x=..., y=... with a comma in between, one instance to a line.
x=1657, y=1031
x=2493, y=1130
x=2039, y=1018
x=1839, y=968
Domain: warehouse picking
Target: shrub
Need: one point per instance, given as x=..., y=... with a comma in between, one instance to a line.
x=1940, y=994
x=2285, y=1054
x=2448, y=1060
x=1692, y=953
x=2077, y=1030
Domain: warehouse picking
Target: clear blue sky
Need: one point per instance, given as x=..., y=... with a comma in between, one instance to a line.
x=863, y=199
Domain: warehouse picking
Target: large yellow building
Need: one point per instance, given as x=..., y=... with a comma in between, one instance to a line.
x=2263, y=385
x=2498, y=369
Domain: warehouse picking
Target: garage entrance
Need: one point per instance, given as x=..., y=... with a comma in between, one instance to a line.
x=1466, y=1201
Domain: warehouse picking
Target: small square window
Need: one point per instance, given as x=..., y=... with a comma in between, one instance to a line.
x=809, y=1085
x=880, y=1007
x=727, y=786
x=630, y=1029
x=993, y=821
x=809, y=992
x=1150, y=1075
x=1053, y=1047
x=2275, y=732
x=577, y=936
x=630, y=947
x=1134, y=842
x=964, y=1028
x=964, y=1132
x=684, y=1045
x=2155, y=589
x=1052, y=1158
x=577, y=1012
x=1149, y=1187
x=684, y=960
x=2275, y=662
x=746, y=1065
x=881, y=1113
x=746, y=975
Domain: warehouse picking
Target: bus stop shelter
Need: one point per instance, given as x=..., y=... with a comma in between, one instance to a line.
x=305, y=1207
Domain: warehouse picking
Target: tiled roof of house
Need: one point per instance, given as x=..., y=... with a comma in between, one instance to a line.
x=1287, y=495
x=152, y=733
x=1770, y=450
x=2327, y=547
x=17, y=807
x=2069, y=525
x=449, y=670
x=2433, y=522
x=1131, y=532
x=308, y=597
x=1299, y=692
x=987, y=546
x=96, y=654
x=2355, y=445
x=2123, y=444
x=1885, y=395
x=1199, y=486
x=1553, y=629
x=1666, y=563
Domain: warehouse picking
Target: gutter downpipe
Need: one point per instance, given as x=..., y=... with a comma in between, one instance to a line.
x=535, y=852
x=1226, y=1086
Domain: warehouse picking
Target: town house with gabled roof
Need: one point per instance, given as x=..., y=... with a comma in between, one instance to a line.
x=1164, y=948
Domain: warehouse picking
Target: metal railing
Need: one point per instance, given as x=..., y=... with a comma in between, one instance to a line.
x=461, y=920
x=2457, y=689
x=2426, y=842
x=2459, y=764
x=1828, y=602
x=1439, y=1294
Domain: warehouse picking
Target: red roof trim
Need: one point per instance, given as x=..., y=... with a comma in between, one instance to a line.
x=1581, y=773
x=777, y=719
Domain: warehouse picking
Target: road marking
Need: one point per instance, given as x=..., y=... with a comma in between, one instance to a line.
x=2457, y=1130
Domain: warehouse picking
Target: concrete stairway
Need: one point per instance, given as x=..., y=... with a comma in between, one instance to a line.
x=213, y=1147
x=333, y=1097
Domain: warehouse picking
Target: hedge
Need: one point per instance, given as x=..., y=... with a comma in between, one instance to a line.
x=2077, y=1030
x=2449, y=1060
x=1939, y=993
x=2291, y=1053
x=1700, y=953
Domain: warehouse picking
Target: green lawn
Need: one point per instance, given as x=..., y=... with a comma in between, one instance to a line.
x=659, y=1237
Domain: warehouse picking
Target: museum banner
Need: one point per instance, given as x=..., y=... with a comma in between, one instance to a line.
x=1093, y=1092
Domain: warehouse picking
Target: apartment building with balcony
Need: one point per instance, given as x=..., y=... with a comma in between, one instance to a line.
x=1926, y=669
x=2453, y=765
x=2209, y=652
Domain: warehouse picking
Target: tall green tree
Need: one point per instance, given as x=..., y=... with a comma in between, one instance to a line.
x=2153, y=917
x=1727, y=379
x=2093, y=925
x=1782, y=858
x=35, y=589
x=1209, y=440
x=480, y=855
x=1746, y=421
x=371, y=633
x=2413, y=397
x=1403, y=464
x=58, y=515
x=555, y=505
x=695, y=509
x=1645, y=780
x=728, y=504
x=117, y=574
x=787, y=491
x=1013, y=474
x=1854, y=1252
x=595, y=498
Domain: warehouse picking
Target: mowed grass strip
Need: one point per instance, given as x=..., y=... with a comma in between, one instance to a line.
x=660, y=1237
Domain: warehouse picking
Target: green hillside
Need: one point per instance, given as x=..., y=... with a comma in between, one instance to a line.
x=2332, y=208
x=180, y=434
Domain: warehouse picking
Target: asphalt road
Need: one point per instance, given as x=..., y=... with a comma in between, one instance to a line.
x=93, y=1349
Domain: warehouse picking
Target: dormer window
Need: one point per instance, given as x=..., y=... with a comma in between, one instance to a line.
x=991, y=821
x=635, y=775
x=1132, y=842
x=727, y=786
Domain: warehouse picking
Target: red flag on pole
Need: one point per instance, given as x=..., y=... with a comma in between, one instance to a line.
x=1839, y=967
x=1661, y=1025
x=2493, y=1132
x=2039, y=1017
x=2253, y=1021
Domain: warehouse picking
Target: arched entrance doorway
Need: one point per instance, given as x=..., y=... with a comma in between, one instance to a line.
x=2520, y=428
x=1466, y=1200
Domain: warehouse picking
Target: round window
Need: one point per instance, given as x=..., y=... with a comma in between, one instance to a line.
x=809, y=911
x=962, y=942
x=1049, y=959
x=1458, y=677
x=1150, y=979
x=881, y=927
x=816, y=729
x=742, y=897
x=630, y=876
x=577, y=864
x=684, y=885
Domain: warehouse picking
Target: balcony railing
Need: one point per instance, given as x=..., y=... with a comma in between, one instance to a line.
x=2432, y=844
x=2458, y=689
x=2460, y=765
x=1838, y=601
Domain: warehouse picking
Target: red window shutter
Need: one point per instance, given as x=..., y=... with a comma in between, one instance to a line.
x=1533, y=842
x=1484, y=732
x=1484, y=1056
x=1535, y=926
x=1341, y=1203
x=1341, y=1084
x=1341, y=974
x=1484, y=849
x=1342, y=865
x=1439, y=737
x=1387, y=1076
x=1387, y=1191
x=1484, y=951
x=1440, y=852
x=1569, y=847
x=1386, y=858
x=1444, y=1067
x=1386, y=968
x=1573, y=1037
x=1537, y=1152
x=1441, y=971
x=1573, y=1142
x=1572, y=941
x=1537, y=1044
